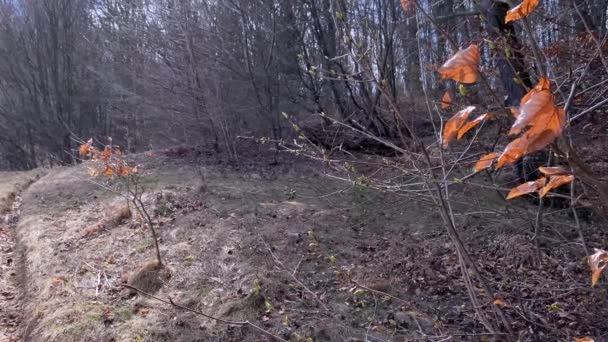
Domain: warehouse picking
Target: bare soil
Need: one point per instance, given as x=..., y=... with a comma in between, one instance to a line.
x=277, y=243
x=11, y=184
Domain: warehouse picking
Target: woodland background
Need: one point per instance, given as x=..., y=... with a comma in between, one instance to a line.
x=152, y=73
x=394, y=219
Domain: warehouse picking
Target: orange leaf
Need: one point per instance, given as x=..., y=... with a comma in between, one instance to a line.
x=526, y=188
x=584, y=339
x=553, y=171
x=106, y=154
x=108, y=171
x=597, y=262
x=404, y=4
x=501, y=302
x=453, y=125
x=515, y=112
x=546, y=120
x=512, y=152
x=545, y=130
x=125, y=170
x=471, y=124
x=485, y=161
x=521, y=10
x=57, y=282
x=536, y=103
x=85, y=148
x=93, y=172
x=462, y=67
x=446, y=101
x=555, y=182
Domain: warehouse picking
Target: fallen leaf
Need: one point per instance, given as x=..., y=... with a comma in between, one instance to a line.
x=454, y=124
x=446, y=101
x=471, y=124
x=584, y=339
x=526, y=188
x=521, y=10
x=57, y=282
x=597, y=262
x=462, y=67
x=485, y=161
x=500, y=302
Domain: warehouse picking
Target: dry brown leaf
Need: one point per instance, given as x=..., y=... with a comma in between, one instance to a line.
x=555, y=182
x=106, y=154
x=545, y=130
x=501, y=302
x=533, y=106
x=521, y=10
x=547, y=122
x=85, y=148
x=512, y=152
x=485, y=161
x=526, y=188
x=108, y=171
x=446, y=101
x=515, y=112
x=597, y=262
x=584, y=339
x=93, y=172
x=553, y=170
x=462, y=67
x=57, y=281
x=404, y=4
x=450, y=131
x=471, y=124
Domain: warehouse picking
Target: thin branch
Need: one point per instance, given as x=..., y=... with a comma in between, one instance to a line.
x=292, y=275
x=379, y=292
x=225, y=321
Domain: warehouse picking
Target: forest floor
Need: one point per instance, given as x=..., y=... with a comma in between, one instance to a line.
x=279, y=244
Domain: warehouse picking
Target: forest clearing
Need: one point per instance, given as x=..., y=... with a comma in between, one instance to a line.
x=303, y=170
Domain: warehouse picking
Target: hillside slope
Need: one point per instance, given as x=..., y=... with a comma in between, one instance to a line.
x=279, y=245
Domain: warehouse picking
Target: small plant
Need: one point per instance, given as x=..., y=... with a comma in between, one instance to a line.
x=111, y=164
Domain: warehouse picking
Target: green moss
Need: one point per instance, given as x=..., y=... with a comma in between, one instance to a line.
x=142, y=245
x=123, y=313
x=188, y=260
x=95, y=314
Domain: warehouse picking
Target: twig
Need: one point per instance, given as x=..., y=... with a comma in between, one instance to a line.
x=371, y=322
x=98, y=284
x=379, y=292
x=295, y=270
x=225, y=321
x=278, y=262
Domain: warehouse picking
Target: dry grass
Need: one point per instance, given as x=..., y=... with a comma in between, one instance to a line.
x=214, y=236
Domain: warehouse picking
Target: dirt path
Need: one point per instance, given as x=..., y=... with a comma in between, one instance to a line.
x=11, y=185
